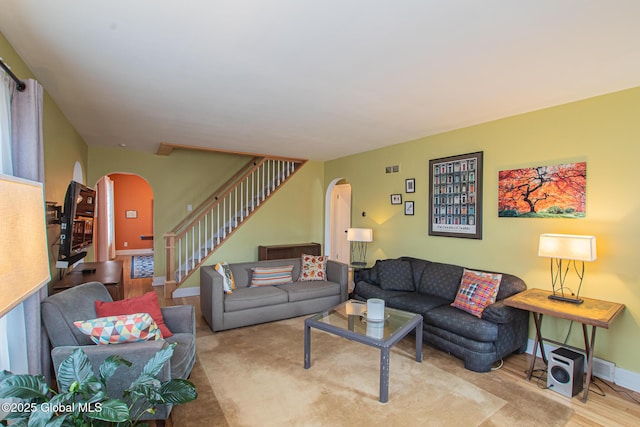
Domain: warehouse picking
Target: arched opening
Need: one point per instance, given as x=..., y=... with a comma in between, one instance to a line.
x=337, y=220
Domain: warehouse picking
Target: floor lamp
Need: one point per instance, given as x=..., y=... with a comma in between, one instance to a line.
x=359, y=237
x=575, y=250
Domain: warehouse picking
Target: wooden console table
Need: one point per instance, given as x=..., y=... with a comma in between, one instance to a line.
x=594, y=312
x=108, y=273
x=288, y=251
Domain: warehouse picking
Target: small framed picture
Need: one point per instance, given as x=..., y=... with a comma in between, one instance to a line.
x=131, y=214
x=410, y=185
x=396, y=199
x=408, y=208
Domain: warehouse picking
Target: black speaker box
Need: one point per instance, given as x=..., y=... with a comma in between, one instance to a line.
x=565, y=372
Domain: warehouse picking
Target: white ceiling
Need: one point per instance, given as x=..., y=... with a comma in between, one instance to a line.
x=316, y=79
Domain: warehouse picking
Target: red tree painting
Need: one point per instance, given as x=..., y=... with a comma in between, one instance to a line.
x=543, y=191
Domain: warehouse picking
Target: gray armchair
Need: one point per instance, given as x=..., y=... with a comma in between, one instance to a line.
x=59, y=311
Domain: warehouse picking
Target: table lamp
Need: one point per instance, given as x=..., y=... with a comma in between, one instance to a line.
x=359, y=237
x=575, y=250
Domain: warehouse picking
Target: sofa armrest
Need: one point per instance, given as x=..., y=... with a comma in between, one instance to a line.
x=338, y=272
x=180, y=318
x=212, y=297
x=498, y=312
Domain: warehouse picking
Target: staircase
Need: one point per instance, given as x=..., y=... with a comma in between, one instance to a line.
x=192, y=241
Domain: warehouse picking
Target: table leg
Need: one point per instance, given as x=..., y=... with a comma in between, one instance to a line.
x=589, y=348
x=419, y=342
x=384, y=374
x=307, y=346
x=537, y=320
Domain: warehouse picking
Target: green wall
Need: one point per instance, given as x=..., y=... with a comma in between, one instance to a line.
x=603, y=131
x=63, y=147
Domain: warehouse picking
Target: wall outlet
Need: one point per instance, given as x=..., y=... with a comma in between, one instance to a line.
x=126, y=244
x=189, y=208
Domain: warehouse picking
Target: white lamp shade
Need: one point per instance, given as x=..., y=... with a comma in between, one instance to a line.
x=24, y=258
x=360, y=235
x=567, y=246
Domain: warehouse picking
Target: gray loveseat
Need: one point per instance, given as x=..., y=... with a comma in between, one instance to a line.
x=428, y=288
x=251, y=305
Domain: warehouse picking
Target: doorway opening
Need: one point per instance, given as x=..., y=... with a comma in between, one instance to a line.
x=338, y=220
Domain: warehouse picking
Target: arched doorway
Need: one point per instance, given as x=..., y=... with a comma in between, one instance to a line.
x=338, y=220
x=125, y=216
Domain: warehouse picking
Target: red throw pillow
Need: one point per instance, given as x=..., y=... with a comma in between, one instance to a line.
x=147, y=303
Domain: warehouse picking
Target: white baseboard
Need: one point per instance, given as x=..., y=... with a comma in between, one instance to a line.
x=193, y=291
x=135, y=252
x=601, y=368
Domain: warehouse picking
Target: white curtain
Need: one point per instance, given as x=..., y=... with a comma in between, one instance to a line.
x=28, y=346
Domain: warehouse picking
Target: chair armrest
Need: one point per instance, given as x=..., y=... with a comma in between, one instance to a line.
x=138, y=353
x=338, y=272
x=212, y=297
x=180, y=318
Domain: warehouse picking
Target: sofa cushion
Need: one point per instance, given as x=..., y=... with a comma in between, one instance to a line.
x=416, y=303
x=441, y=280
x=461, y=323
x=300, y=291
x=313, y=268
x=395, y=275
x=477, y=290
x=268, y=276
x=244, y=298
x=366, y=290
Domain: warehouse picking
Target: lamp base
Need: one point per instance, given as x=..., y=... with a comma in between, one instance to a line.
x=566, y=299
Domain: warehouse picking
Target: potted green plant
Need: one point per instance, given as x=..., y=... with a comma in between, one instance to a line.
x=82, y=399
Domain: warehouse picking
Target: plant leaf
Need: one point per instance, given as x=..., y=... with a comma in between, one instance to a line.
x=74, y=369
x=178, y=391
x=109, y=366
x=112, y=410
x=24, y=387
x=40, y=417
x=155, y=364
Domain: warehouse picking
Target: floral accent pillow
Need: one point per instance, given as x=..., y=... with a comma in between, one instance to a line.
x=120, y=329
x=477, y=290
x=313, y=268
x=228, y=282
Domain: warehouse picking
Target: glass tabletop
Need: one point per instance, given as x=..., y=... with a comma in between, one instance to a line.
x=351, y=316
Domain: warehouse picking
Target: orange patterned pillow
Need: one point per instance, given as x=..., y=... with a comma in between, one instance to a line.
x=477, y=290
x=313, y=268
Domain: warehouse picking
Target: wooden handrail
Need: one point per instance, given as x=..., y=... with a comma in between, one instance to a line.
x=197, y=235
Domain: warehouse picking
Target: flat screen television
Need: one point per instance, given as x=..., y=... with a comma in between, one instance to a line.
x=76, y=224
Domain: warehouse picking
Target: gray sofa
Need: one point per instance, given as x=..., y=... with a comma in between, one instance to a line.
x=59, y=311
x=251, y=305
x=428, y=288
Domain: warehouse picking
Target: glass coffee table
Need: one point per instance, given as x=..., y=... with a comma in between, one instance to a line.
x=348, y=320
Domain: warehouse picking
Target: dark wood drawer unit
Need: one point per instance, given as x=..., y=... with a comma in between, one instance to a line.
x=288, y=251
